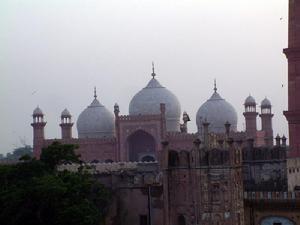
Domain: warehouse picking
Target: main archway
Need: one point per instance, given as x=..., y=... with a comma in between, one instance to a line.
x=276, y=220
x=141, y=145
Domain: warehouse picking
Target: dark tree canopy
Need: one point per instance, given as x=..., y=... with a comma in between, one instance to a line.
x=57, y=153
x=34, y=193
x=19, y=152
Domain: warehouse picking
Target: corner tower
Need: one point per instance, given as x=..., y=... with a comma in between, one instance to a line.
x=250, y=115
x=293, y=55
x=38, y=125
x=66, y=124
x=266, y=121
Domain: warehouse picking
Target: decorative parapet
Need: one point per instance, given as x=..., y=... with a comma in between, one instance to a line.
x=109, y=168
x=82, y=141
x=274, y=196
x=181, y=136
x=139, y=117
x=236, y=136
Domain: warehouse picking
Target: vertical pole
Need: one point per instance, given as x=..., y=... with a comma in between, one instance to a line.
x=149, y=206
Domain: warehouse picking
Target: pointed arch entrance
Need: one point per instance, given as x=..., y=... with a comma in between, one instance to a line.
x=141, y=145
x=276, y=220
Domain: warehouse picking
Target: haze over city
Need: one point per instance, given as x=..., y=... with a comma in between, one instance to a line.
x=54, y=52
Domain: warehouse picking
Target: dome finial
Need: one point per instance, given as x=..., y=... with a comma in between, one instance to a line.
x=95, y=92
x=215, y=85
x=153, y=72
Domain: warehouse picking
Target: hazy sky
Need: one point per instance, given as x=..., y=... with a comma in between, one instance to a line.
x=53, y=52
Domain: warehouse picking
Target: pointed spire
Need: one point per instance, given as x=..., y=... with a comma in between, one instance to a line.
x=215, y=85
x=95, y=92
x=153, y=72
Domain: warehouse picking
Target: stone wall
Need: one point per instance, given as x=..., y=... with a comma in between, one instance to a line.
x=268, y=208
x=264, y=169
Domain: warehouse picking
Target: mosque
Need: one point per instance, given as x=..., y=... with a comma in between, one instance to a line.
x=154, y=116
x=161, y=174
x=153, y=145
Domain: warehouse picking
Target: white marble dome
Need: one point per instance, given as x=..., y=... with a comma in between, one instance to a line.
x=95, y=122
x=216, y=111
x=148, y=100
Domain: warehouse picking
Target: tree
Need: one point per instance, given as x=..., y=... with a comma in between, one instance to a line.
x=34, y=193
x=57, y=154
x=19, y=152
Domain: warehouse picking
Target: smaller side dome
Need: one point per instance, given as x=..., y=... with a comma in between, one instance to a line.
x=37, y=112
x=250, y=101
x=65, y=113
x=266, y=103
x=96, y=121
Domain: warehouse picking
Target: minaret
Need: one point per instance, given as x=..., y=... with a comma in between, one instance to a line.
x=293, y=55
x=117, y=130
x=250, y=115
x=66, y=124
x=266, y=121
x=38, y=125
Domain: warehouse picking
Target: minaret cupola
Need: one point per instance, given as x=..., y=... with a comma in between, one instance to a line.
x=250, y=115
x=266, y=121
x=66, y=124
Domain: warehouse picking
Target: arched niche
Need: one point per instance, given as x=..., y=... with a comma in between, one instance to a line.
x=147, y=158
x=173, y=159
x=181, y=220
x=276, y=220
x=108, y=161
x=184, y=158
x=140, y=144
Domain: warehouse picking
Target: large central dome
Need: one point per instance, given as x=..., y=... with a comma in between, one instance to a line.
x=216, y=111
x=148, y=100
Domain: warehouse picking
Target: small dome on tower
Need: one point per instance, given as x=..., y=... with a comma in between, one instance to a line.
x=266, y=103
x=95, y=121
x=250, y=101
x=148, y=100
x=37, y=112
x=216, y=111
x=65, y=113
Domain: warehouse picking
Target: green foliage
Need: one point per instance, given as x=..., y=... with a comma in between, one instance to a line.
x=57, y=153
x=34, y=193
x=19, y=152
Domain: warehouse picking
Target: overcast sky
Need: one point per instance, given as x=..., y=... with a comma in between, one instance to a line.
x=53, y=52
